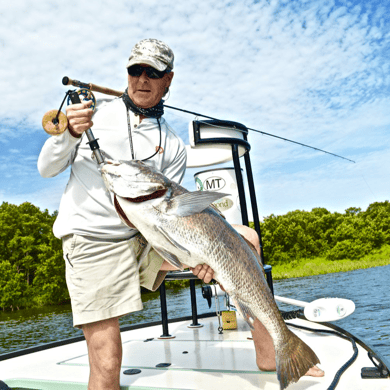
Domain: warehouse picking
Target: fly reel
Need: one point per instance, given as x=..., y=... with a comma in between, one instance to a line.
x=55, y=122
x=87, y=95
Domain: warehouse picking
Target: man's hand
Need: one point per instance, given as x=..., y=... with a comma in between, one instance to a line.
x=79, y=117
x=203, y=272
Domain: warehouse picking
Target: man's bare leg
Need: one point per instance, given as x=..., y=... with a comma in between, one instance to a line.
x=105, y=354
x=265, y=352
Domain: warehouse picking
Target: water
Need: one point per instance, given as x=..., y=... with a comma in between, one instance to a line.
x=27, y=328
x=367, y=288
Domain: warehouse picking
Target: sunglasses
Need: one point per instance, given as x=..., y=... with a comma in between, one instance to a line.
x=137, y=70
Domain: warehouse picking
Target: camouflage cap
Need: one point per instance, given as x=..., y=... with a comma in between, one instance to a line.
x=152, y=52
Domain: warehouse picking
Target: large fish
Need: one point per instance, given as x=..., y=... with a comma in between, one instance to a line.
x=182, y=227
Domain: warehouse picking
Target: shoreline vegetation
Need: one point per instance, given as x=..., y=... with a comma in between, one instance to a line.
x=297, y=244
x=313, y=267
x=321, y=266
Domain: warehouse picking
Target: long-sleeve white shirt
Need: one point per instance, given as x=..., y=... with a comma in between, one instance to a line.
x=86, y=207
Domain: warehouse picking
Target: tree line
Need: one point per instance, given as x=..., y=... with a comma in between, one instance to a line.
x=32, y=269
x=334, y=236
x=31, y=265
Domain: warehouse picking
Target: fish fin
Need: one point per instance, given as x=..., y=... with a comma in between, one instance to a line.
x=172, y=241
x=170, y=258
x=245, y=311
x=293, y=359
x=193, y=202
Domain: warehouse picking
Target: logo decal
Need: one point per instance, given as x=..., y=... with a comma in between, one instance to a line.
x=224, y=204
x=199, y=184
x=214, y=183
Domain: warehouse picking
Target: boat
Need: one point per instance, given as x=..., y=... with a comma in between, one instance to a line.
x=205, y=351
x=199, y=352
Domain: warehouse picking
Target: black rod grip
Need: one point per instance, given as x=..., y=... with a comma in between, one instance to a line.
x=93, y=144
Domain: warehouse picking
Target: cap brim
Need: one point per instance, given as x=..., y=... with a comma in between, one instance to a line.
x=153, y=63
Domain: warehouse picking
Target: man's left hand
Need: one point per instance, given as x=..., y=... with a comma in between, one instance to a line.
x=203, y=272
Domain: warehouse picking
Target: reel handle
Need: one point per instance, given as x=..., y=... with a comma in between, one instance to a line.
x=54, y=122
x=93, y=142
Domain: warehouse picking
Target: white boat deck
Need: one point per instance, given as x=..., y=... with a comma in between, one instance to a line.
x=200, y=358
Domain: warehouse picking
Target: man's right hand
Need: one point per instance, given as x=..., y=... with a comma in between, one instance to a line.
x=79, y=117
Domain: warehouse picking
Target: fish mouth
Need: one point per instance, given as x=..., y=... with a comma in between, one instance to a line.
x=122, y=214
x=139, y=199
x=144, y=198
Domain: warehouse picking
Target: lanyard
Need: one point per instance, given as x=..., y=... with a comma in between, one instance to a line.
x=130, y=135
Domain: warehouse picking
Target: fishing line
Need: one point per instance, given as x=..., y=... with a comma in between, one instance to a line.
x=263, y=133
x=364, y=179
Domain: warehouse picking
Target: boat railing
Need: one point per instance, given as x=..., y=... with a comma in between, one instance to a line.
x=188, y=275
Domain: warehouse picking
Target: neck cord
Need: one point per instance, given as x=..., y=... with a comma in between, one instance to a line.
x=131, y=138
x=153, y=112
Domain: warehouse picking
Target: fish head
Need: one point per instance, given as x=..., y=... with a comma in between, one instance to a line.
x=133, y=184
x=133, y=179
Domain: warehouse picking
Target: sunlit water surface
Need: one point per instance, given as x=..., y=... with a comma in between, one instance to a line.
x=368, y=288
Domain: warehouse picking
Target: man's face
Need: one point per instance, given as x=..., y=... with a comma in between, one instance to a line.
x=146, y=92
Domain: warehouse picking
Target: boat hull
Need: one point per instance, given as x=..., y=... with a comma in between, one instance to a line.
x=198, y=358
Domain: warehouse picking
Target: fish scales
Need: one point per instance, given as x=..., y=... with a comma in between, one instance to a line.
x=184, y=230
x=207, y=235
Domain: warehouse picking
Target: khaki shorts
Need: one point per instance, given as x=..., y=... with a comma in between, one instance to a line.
x=102, y=276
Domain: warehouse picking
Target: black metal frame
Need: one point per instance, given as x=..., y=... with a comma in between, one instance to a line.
x=235, y=143
x=221, y=140
x=186, y=275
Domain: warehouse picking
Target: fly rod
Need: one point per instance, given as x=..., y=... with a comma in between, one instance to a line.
x=54, y=123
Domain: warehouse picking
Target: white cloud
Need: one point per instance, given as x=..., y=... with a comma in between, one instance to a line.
x=313, y=71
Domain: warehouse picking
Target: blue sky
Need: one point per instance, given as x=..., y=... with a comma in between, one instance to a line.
x=316, y=72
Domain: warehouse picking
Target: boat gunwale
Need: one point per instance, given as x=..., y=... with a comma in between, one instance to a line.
x=366, y=346
x=75, y=339
x=322, y=327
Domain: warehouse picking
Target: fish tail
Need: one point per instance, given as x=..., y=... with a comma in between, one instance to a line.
x=293, y=359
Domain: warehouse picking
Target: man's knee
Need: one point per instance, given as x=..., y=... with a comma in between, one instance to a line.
x=104, y=346
x=108, y=364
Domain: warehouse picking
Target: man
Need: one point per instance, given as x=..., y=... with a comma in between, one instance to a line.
x=101, y=253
